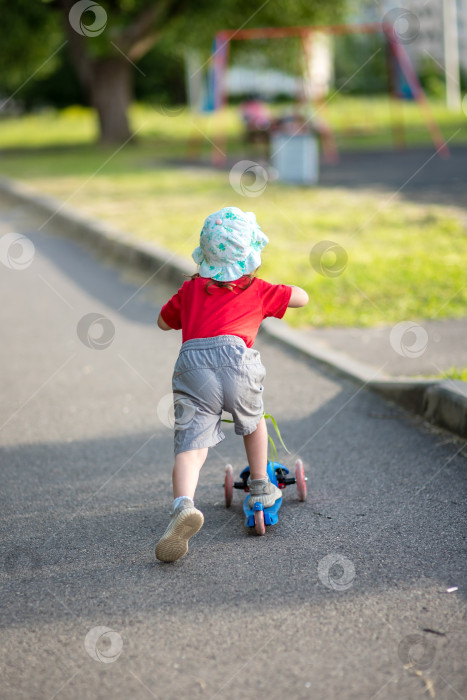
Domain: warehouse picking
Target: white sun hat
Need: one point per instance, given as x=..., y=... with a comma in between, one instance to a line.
x=230, y=245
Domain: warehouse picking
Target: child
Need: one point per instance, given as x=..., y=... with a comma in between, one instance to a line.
x=219, y=311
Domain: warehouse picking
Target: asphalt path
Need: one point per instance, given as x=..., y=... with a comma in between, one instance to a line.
x=417, y=174
x=346, y=597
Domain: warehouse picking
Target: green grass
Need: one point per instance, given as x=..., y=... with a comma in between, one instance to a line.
x=358, y=122
x=367, y=122
x=455, y=373
x=405, y=260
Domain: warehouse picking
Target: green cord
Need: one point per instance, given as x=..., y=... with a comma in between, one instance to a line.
x=269, y=416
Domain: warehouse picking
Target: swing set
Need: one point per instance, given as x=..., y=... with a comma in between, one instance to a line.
x=403, y=81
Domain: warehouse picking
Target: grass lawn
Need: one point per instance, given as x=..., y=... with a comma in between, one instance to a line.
x=456, y=373
x=357, y=122
x=405, y=260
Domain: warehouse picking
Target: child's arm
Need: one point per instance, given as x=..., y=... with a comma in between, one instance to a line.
x=172, y=312
x=162, y=324
x=298, y=297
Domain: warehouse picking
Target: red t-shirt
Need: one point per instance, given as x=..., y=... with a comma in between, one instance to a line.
x=221, y=311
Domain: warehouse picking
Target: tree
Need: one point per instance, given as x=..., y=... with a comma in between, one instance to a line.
x=105, y=50
x=30, y=37
x=107, y=39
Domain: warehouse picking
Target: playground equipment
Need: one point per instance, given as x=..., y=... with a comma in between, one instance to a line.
x=400, y=70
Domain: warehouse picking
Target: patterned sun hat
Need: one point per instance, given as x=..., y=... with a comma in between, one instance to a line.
x=230, y=245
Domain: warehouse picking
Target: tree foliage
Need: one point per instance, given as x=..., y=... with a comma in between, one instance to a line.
x=30, y=35
x=104, y=60
x=34, y=29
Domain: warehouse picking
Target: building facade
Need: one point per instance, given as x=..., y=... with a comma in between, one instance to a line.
x=427, y=28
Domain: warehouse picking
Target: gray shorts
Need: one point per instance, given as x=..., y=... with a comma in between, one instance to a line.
x=211, y=375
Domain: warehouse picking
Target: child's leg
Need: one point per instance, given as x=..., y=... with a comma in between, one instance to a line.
x=186, y=520
x=186, y=472
x=256, y=446
x=262, y=490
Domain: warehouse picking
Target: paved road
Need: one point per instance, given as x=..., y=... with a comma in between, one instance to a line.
x=441, y=345
x=344, y=598
x=416, y=174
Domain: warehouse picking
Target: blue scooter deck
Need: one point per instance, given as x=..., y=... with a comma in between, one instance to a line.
x=270, y=514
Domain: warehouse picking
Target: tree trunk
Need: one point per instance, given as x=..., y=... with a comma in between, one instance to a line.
x=111, y=93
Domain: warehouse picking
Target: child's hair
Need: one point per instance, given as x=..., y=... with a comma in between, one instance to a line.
x=227, y=285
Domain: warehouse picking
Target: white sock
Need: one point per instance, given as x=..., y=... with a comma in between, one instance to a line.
x=178, y=500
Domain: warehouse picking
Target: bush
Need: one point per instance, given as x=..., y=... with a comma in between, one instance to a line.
x=431, y=78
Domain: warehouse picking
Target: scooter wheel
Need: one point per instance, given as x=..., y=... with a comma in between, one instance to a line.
x=260, y=527
x=228, y=485
x=300, y=480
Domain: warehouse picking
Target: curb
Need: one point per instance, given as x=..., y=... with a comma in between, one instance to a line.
x=406, y=391
x=101, y=236
x=443, y=403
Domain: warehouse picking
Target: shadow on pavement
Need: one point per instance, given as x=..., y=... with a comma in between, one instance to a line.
x=392, y=509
